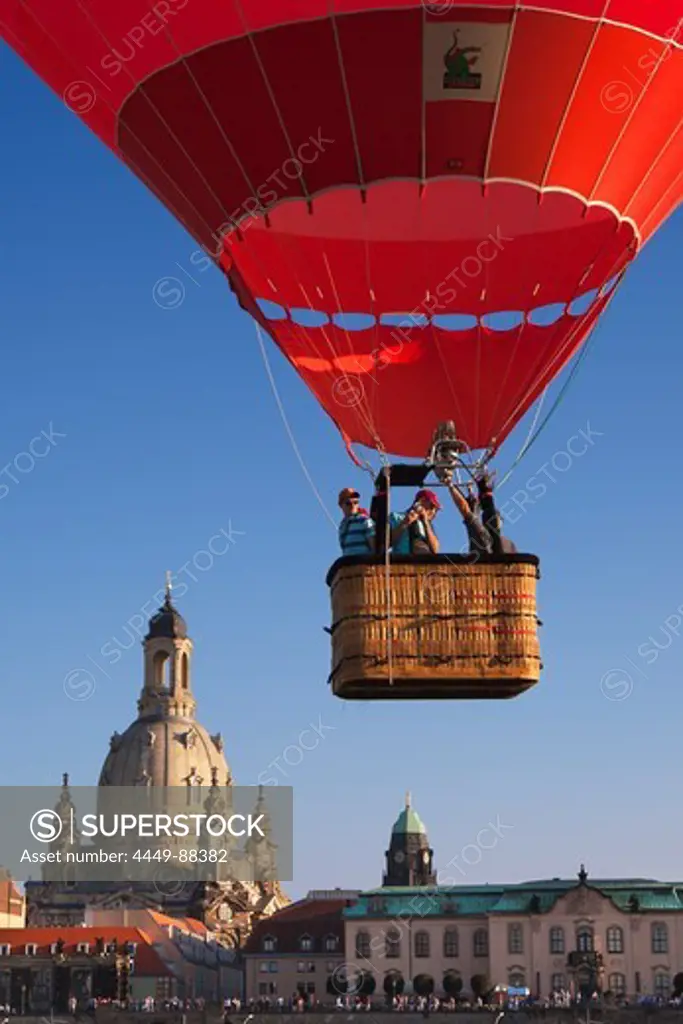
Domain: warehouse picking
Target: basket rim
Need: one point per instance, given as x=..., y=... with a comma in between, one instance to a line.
x=443, y=559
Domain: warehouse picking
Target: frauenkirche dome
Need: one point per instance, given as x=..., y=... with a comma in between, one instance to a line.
x=166, y=746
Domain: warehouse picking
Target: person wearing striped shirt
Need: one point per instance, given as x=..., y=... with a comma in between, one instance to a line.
x=357, y=529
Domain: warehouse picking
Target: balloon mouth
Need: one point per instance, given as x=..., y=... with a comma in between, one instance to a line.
x=477, y=309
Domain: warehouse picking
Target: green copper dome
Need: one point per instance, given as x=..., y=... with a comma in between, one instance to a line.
x=408, y=821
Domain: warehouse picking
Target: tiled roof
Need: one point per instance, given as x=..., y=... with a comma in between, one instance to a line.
x=537, y=896
x=186, y=924
x=147, y=961
x=10, y=898
x=315, y=918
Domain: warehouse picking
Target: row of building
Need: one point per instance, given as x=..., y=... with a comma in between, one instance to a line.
x=216, y=940
x=550, y=936
x=409, y=936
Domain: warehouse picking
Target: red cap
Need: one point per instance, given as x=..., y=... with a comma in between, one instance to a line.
x=429, y=496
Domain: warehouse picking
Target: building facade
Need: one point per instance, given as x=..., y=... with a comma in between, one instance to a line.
x=12, y=905
x=575, y=936
x=299, y=952
x=566, y=937
x=165, y=745
x=147, y=955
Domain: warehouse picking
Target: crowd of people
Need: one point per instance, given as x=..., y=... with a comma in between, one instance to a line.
x=426, y=1005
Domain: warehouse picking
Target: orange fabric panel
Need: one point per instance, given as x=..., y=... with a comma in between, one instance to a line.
x=592, y=128
x=653, y=120
x=546, y=54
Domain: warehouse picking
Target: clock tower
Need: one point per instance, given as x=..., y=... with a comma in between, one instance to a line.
x=409, y=857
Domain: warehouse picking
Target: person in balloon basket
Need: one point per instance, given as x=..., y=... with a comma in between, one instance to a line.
x=482, y=519
x=412, y=532
x=356, y=530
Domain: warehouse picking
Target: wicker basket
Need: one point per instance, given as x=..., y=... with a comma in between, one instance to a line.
x=460, y=627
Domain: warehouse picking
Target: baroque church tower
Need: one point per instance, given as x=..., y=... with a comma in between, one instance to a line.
x=165, y=746
x=409, y=857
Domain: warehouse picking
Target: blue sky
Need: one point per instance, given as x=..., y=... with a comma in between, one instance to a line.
x=165, y=430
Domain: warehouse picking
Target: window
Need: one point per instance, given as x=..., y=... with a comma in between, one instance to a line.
x=450, y=942
x=263, y=988
x=637, y=981
x=516, y=978
x=393, y=943
x=421, y=943
x=272, y=966
x=480, y=942
x=310, y=988
x=83, y=947
x=300, y=967
x=330, y=966
x=615, y=941
x=310, y=967
x=515, y=939
x=362, y=945
x=660, y=938
x=269, y=944
x=617, y=984
x=5, y=950
x=557, y=940
x=111, y=947
x=263, y=967
x=558, y=982
x=331, y=944
x=306, y=944
x=662, y=984
x=584, y=940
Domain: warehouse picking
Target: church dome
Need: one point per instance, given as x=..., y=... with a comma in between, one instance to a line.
x=168, y=622
x=165, y=752
x=166, y=745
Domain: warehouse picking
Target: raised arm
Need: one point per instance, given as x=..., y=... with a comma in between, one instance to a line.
x=474, y=528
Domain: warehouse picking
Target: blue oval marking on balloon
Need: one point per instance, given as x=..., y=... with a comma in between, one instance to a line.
x=455, y=321
x=583, y=303
x=504, y=321
x=546, y=316
x=354, y=321
x=309, y=317
x=404, y=320
x=271, y=310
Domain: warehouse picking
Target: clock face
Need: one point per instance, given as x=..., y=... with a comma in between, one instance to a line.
x=399, y=856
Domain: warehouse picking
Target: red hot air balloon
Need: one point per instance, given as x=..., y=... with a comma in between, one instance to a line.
x=425, y=205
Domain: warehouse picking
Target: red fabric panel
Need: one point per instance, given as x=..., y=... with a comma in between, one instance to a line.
x=543, y=65
x=453, y=242
x=654, y=116
x=214, y=135
x=596, y=121
x=397, y=391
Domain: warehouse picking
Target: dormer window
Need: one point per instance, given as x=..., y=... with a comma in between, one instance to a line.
x=111, y=947
x=269, y=944
x=54, y=949
x=5, y=949
x=31, y=949
x=83, y=947
x=306, y=944
x=331, y=944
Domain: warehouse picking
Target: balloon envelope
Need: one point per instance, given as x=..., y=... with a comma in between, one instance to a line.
x=426, y=205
